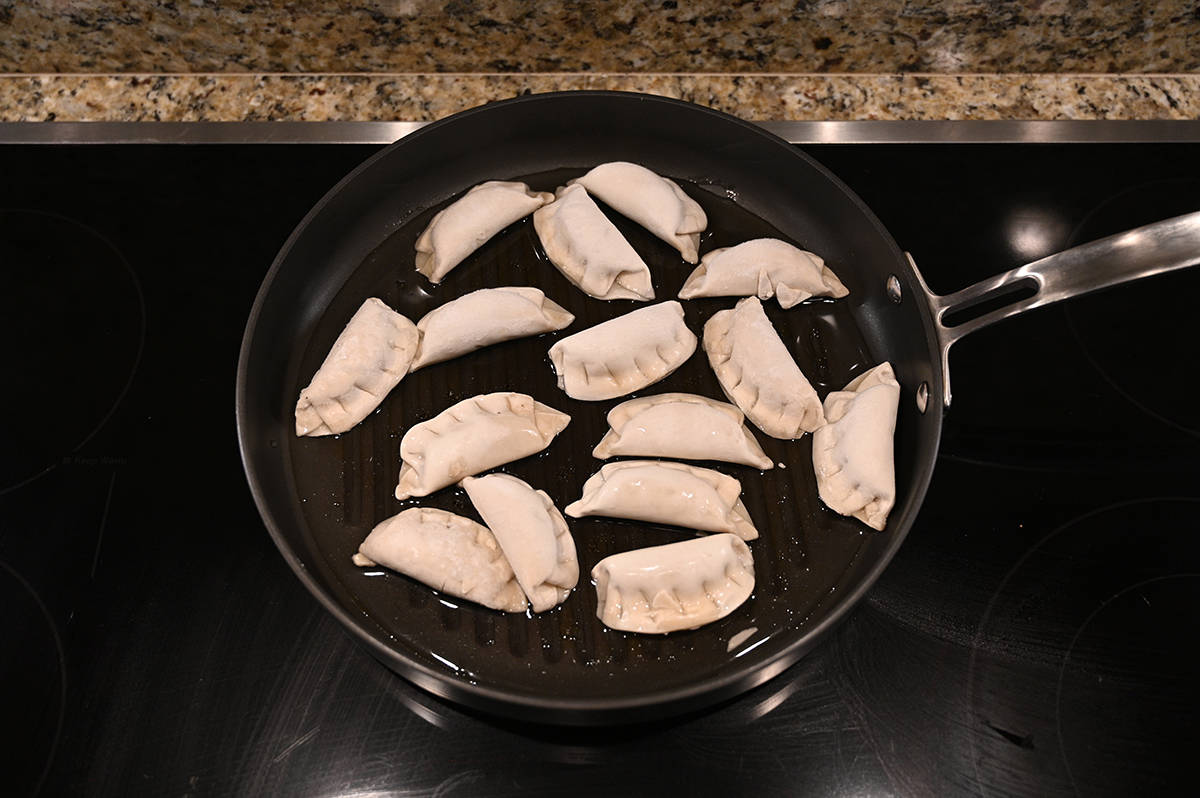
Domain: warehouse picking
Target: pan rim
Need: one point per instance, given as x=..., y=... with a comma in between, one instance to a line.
x=589, y=711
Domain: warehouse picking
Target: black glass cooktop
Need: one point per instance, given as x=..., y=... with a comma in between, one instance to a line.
x=1032, y=637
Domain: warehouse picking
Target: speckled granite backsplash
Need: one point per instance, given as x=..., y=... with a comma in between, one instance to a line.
x=419, y=60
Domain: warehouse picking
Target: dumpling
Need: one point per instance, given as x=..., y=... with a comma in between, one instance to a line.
x=472, y=436
x=758, y=373
x=466, y=224
x=680, y=425
x=764, y=267
x=485, y=317
x=366, y=361
x=451, y=554
x=653, y=201
x=663, y=492
x=852, y=453
x=682, y=585
x=624, y=354
x=589, y=250
x=532, y=534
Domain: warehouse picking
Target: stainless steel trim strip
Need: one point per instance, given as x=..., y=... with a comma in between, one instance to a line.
x=988, y=131
x=819, y=132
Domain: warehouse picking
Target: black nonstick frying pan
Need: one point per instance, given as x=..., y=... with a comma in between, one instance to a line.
x=320, y=496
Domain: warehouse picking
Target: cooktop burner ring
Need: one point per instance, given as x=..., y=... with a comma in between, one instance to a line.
x=1140, y=587
x=1027, y=639
x=1132, y=336
x=42, y=674
x=74, y=293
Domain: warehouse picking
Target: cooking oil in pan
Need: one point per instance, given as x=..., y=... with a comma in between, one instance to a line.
x=806, y=554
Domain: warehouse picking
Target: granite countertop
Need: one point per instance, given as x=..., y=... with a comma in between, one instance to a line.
x=417, y=60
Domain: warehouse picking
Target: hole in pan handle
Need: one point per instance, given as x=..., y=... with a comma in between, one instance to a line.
x=1142, y=252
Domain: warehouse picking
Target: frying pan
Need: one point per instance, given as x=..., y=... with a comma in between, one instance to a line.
x=319, y=497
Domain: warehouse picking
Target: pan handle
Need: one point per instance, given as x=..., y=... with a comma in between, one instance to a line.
x=1142, y=252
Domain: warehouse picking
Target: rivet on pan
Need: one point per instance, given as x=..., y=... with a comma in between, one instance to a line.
x=893, y=289
x=923, y=396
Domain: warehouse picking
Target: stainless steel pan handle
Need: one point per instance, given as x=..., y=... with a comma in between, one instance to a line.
x=1141, y=252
